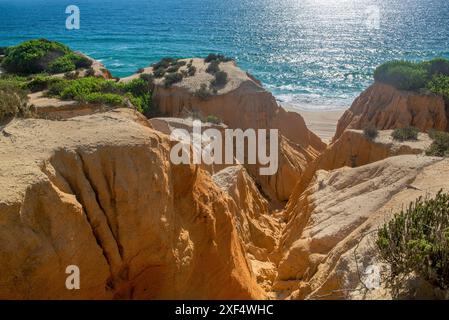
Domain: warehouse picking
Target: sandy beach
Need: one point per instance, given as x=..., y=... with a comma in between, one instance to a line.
x=322, y=122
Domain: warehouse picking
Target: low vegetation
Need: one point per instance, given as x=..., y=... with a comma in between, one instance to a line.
x=172, y=78
x=220, y=80
x=41, y=55
x=13, y=100
x=370, y=133
x=217, y=57
x=440, y=85
x=416, y=241
x=107, y=92
x=203, y=92
x=170, y=70
x=405, y=134
x=213, y=67
x=428, y=76
x=213, y=119
x=440, y=144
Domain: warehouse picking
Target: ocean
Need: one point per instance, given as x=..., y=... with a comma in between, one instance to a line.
x=311, y=54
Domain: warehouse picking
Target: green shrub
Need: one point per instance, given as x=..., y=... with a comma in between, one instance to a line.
x=143, y=104
x=13, y=100
x=172, y=78
x=403, y=75
x=56, y=87
x=82, y=87
x=80, y=61
x=36, y=56
x=173, y=68
x=220, y=80
x=437, y=66
x=33, y=56
x=159, y=73
x=164, y=63
x=149, y=78
x=3, y=51
x=40, y=83
x=61, y=65
x=99, y=90
x=417, y=240
x=13, y=80
x=217, y=57
x=405, y=134
x=370, y=132
x=140, y=94
x=440, y=144
x=191, y=71
x=213, y=67
x=136, y=87
x=440, y=86
x=203, y=92
x=213, y=119
x=109, y=99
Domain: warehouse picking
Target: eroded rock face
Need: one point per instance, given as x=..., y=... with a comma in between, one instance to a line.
x=354, y=149
x=385, y=107
x=99, y=192
x=329, y=241
x=258, y=229
x=244, y=104
x=292, y=159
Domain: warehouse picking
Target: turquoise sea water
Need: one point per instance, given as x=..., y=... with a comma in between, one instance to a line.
x=311, y=53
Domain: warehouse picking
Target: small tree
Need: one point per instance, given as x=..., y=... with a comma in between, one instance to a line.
x=417, y=240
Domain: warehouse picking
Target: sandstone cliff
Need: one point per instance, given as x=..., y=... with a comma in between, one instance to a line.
x=243, y=103
x=328, y=245
x=385, y=107
x=354, y=149
x=100, y=192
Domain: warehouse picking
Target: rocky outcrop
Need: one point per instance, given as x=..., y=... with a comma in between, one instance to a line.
x=328, y=245
x=45, y=107
x=98, y=68
x=258, y=229
x=99, y=192
x=385, y=107
x=354, y=149
x=243, y=103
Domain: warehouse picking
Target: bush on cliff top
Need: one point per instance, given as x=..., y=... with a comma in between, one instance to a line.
x=217, y=57
x=36, y=56
x=405, y=134
x=440, y=144
x=417, y=240
x=220, y=80
x=213, y=67
x=406, y=75
x=99, y=90
x=403, y=75
x=440, y=86
x=13, y=100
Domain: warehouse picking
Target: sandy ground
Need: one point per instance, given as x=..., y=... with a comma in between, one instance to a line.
x=322, y=122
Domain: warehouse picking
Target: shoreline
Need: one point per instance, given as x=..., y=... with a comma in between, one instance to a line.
x=321, y=122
